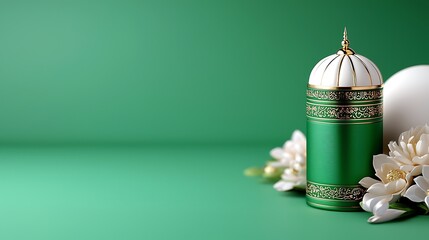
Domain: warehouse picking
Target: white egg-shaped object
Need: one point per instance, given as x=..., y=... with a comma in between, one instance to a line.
x=406, y=103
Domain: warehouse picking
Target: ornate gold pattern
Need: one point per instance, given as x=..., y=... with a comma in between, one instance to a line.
x=344, y=112
x=330, y=207
x=345, y=88
x=363, y=95
x=332, y=192
x=322, y=121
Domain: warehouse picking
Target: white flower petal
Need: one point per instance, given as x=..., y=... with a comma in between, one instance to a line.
x=277, y=164
x=282, y=186
x=367, y=182
x=422, y=160
x=288, y=146
x=300, y=159
x=370, y=200
x=393, y=146
x=422, y=146
x=411, y=150
x=407, y=168
x=289, y=177
x=395, y=187
x=404, y=147
x=402, y=159
x=298, y=136
x=299, y=147
x=415, y=194
x=421, y=183
x=380, y=207
x=378, y=189
x=277, y=153
x=390, y=214
x=417, y=170
x=425, y=172
x=427, y=201
x=379, y=160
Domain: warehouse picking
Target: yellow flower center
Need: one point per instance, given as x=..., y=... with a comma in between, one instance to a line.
x=395, y=174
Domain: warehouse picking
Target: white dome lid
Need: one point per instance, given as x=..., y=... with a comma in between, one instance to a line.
x=345, y=69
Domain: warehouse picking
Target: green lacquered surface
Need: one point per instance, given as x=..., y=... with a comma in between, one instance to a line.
x=342, y=154
x=169, y=192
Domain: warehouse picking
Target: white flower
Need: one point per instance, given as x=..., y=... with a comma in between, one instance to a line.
x=293, y=151
x=378, y=198
x=292, y=157
x=292, y=178
x=412, y=150
x=396, y=172
x=379, y=206
x=392, y=184
x=420, y=191
x=388, y=171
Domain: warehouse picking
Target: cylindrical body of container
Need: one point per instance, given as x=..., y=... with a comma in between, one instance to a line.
x=344, y=131
x=344, y=128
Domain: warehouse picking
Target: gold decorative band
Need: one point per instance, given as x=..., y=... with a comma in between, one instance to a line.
x=346, y=122
x=335, y=192
x=344, y=95
x=344, y=112
x=330, y=207
x=346, y=88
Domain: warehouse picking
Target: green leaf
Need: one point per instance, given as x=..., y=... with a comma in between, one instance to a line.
x=409, y=208
x=401, y=206
x=422, y=208
x=419, y=208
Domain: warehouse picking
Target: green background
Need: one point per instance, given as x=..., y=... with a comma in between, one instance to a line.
x=183, y=71
x=135, y=119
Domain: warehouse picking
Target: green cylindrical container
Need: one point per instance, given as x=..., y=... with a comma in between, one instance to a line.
x=344, y=128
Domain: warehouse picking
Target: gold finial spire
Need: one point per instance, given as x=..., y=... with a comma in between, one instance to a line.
x=345, y=43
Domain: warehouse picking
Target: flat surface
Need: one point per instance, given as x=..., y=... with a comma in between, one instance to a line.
x=168, y=192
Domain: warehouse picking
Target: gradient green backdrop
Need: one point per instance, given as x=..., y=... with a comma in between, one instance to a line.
x=183, y=71
x=193, y=92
